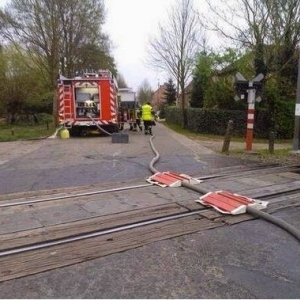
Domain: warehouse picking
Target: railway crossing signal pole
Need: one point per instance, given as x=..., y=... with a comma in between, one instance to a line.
x=250, y=118
x=253, y=89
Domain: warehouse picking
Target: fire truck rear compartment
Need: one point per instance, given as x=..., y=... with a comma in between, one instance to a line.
x=87, y=102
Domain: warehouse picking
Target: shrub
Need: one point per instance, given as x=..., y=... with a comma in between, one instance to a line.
x=214, y=121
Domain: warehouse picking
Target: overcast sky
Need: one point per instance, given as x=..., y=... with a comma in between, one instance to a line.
x=130, y=23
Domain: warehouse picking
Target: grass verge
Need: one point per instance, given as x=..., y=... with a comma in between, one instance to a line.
x=10, y=133
x=213, y=137
x=282, y=154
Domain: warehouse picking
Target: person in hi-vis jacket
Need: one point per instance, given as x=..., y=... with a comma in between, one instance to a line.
x=147, y=117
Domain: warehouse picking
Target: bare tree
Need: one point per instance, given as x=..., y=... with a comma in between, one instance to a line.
x=175, y=48
x=54, y=31
x=271, y=29
x=121, y=81
x=285, y=36
x=144, y=92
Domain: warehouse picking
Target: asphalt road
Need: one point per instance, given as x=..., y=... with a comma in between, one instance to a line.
x=57, y=163
x=252, y=259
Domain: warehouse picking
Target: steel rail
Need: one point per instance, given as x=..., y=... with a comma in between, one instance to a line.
x=238, y=173
x=84, y=236
x=205, y=177
x=26, y=202
x=70, y=239
x=292, y=190
x=76, y=195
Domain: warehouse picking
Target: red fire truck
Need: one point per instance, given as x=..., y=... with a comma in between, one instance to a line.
x=88, y=102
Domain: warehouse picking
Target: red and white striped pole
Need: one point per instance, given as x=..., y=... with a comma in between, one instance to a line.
x=250, y=118
x=242, y=86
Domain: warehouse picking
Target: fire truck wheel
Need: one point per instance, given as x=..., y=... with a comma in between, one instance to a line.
x=112, y=128
x=84, y=132
x=74, y=131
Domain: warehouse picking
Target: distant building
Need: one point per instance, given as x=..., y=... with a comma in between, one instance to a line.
x=158, y=97
x=187, y=96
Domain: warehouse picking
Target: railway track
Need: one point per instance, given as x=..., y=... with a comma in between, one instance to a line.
x=25, y=251
x=227, y=173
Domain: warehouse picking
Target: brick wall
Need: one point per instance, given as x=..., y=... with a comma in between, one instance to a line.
x=158, y=97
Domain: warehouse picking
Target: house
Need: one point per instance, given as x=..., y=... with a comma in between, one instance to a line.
x=158, y=97
x=187, y=96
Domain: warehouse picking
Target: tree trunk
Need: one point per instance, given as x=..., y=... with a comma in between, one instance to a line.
x=184, y=112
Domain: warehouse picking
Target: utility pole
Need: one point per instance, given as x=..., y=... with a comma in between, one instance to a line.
x=297, y=112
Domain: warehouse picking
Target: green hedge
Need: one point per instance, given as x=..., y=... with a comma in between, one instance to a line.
x=214, y=121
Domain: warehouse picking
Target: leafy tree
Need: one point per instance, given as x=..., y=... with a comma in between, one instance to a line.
x=170, y=92
x=21, y=83
x=93, y=58
x=201, y=79
x=197, y=95
x=3, y=68
x=213, y=79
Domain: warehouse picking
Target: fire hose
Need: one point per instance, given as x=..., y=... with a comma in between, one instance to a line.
x=99, y=127
x=251, y=210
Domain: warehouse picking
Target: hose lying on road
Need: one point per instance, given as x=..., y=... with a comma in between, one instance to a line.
x=251, y=210
x=279, y=222
x=155, y=159
x=99, y=127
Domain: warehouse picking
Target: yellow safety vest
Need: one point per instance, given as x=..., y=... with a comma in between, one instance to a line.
x=146, y=112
